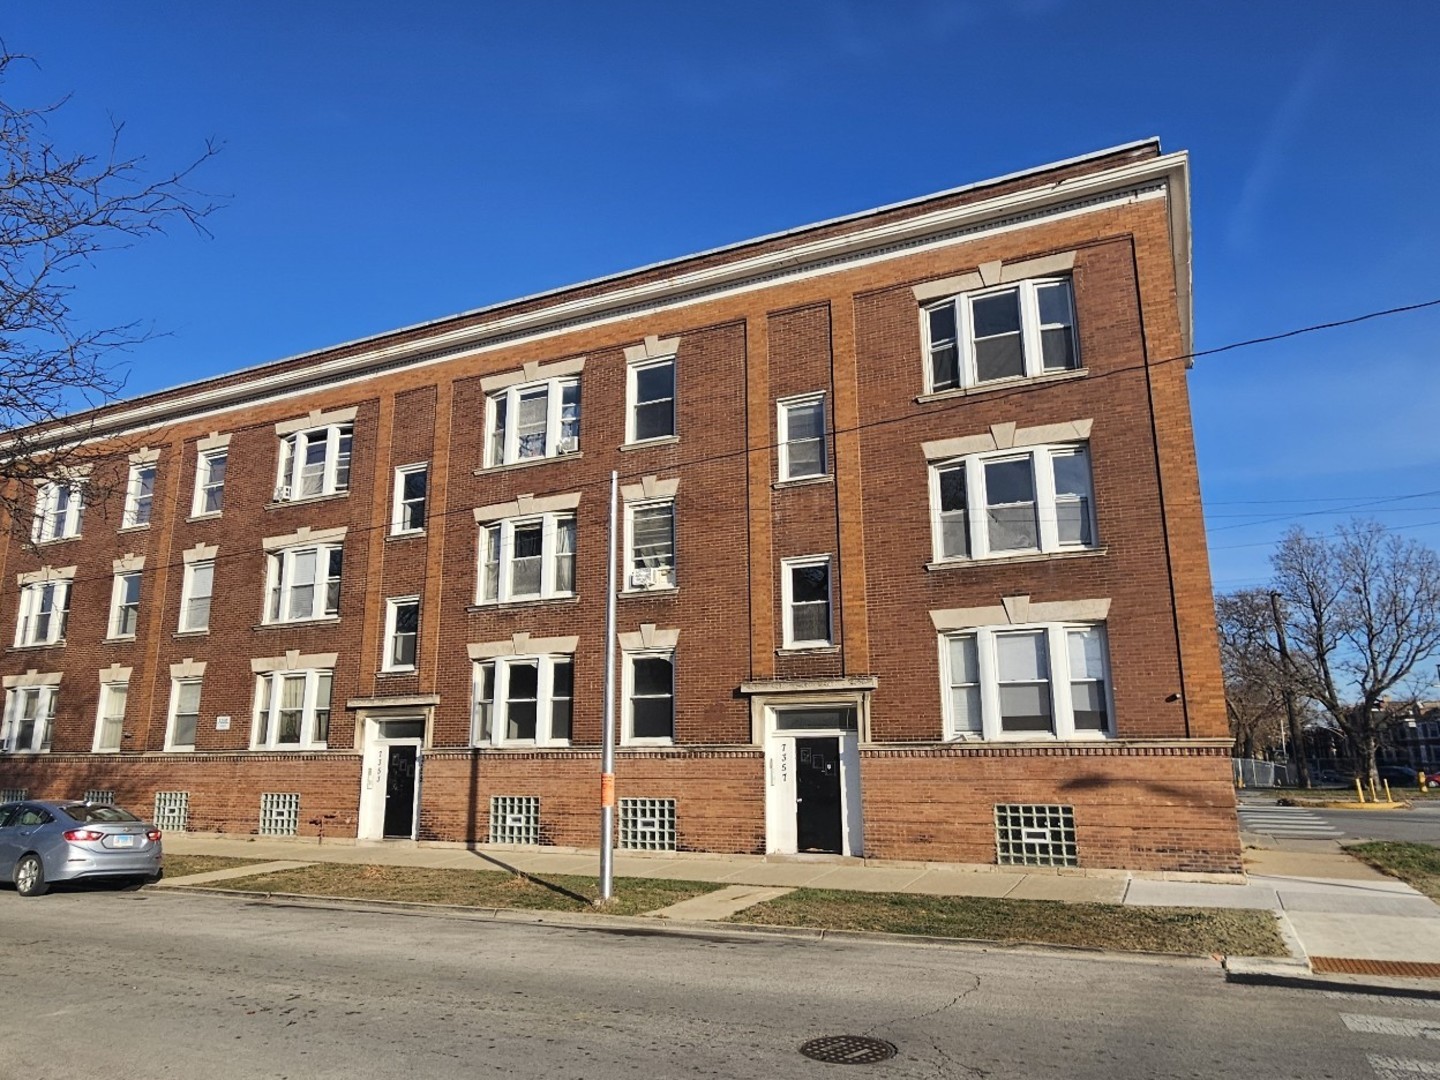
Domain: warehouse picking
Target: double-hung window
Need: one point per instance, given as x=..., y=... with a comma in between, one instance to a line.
x=125, y=604
x=198, y=587
x=44, y=611
x=649, y=697
x=805, y=594
x=1018, y=682
x=523, y=701
x=801, y=424
x=292, y=710
x=651, y=392
x=531, y=558
x=139, y=495
x=184, y=714
x=315, y=462
x=408, y=512
x=533, y=421
x=1017, y=331
x=210, y=482
x=110, y=716
x=29, y=717
x=304, y=583
x=1012, y=502
x=650, y=545
x=58, y=509
x=402, y=632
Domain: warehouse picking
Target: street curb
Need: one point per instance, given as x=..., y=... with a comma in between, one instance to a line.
x=1243, y=971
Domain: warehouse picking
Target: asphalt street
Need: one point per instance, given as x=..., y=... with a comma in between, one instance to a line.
x=1419, y=825
x=150, y=984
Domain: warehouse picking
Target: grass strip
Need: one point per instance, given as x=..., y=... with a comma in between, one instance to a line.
x=469, y=888
x=1418, y=865
x=178, y=866
x=1193, y=931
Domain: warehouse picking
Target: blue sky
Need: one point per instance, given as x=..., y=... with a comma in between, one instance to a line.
x=386, y=164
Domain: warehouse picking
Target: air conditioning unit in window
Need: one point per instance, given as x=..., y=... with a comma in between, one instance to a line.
x=643, y=578
x=282, y=493
x=567, y=445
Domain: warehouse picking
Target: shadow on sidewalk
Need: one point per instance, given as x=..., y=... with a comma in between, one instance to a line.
x=558, y=889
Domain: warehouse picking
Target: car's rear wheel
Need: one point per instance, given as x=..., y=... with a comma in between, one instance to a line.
x=30, y=876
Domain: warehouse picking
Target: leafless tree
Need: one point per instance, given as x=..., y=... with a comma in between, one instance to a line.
x=59, y=209
x=1254, y=679
x=1362, y=612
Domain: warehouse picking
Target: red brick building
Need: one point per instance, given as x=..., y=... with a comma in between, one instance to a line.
x=912, y=559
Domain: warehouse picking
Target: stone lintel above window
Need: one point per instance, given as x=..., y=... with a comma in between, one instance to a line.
x=995, y=273
x=315, y=419
x=1007, y=437
x=114, y=674
x=188, y=669
x=533, y=371
x=32, y=678
x=46, y=573
x=294, y=660
x=649, y=638
x=522, y=644
x=128, y=564
x=526, y=505
x=200, y=553
x=650, y=487
x=305, y=535
x=214, y=441
x=1020, y=610
x=652, y=348
x=146, y=455
x=849, y=684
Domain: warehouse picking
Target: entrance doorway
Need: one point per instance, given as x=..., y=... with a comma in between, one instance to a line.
x=812, y=788
x=400, y=792
x=390, y=787
x=817, y=795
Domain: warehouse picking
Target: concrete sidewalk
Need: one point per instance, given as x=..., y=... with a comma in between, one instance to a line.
x=1347, y=924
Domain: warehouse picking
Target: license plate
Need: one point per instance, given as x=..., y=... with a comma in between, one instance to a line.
x=124, y=840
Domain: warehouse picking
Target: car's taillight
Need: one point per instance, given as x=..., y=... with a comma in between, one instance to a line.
x=83, y=834
x=153, y=834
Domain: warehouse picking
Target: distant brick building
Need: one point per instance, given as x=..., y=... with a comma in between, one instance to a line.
x=913, y=563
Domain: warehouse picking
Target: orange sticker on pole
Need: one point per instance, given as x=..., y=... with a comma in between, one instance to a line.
x=607, y=789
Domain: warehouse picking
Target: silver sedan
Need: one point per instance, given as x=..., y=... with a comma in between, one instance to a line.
x=44, y=842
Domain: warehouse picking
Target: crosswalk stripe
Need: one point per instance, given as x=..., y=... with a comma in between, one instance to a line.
x=1390, y=1002
x=1392, y=1025
x=1392, y=1068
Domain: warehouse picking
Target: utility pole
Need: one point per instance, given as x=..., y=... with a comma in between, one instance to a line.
x=607, y=755
x=1292, y=721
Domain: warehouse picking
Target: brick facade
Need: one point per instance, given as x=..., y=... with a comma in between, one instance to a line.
x=827, y=310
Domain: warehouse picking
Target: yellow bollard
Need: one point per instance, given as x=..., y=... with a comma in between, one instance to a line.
x=1359, y=791
x=1374, y=795
x=1388, y=796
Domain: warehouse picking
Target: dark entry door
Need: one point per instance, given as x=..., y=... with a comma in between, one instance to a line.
x=817, y=795
x=400, y=792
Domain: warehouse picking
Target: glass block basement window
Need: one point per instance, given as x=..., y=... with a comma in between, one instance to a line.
x=515, y=819
x=14, y=794
x=1035, y=834
x=647, y=824
x=172, y=810
x=97, y=795
x=279, y=813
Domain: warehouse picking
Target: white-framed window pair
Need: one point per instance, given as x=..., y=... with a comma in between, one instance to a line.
x=407, y=514
x=805, y=598
x=210, y=469
x=523, y=701
x=650, y=391
x=1012, y=502
x=1016, y=331
x=29, y=718
x=44, y=613
x=303, y=583
x=59, y=507
x=292, y=710
x=800, y=424
x=650, y=545
x=139, y=496
x=536, y=420
x=530, y=558
x=649, y=696
x=314, y=463
x=1047, y=680
x=402, y=633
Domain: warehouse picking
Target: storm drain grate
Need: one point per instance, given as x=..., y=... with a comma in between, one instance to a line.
x=849, y=1050
x=96, y=795
x=172, y=810
x=1035, y=834
x=279, y=813
x=647, y=824
x=13, y=794
x=515, y=819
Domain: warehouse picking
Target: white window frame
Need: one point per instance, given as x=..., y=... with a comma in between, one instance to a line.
x=783, y=409
x=44, y=727
x=279, y=579
x=1042, y=472
x=632, y=402
x=551, y=527
x=118, y=605
x=31, y=597
x=392, y=613
x=53, y=522
x=173, y=713
x=1060, y=679
x=787, y=601
x=399, y=508
x=188, y=594
x=500, y=669
x=646, y=578
x=139, y=504
x=310, y=733
x=294, y=447
x=1030, y=336
x=108, y=691
x=556, y=441
x=205, y=482
x=627, y=730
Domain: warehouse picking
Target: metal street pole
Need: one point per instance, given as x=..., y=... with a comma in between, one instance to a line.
x=607, y=753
